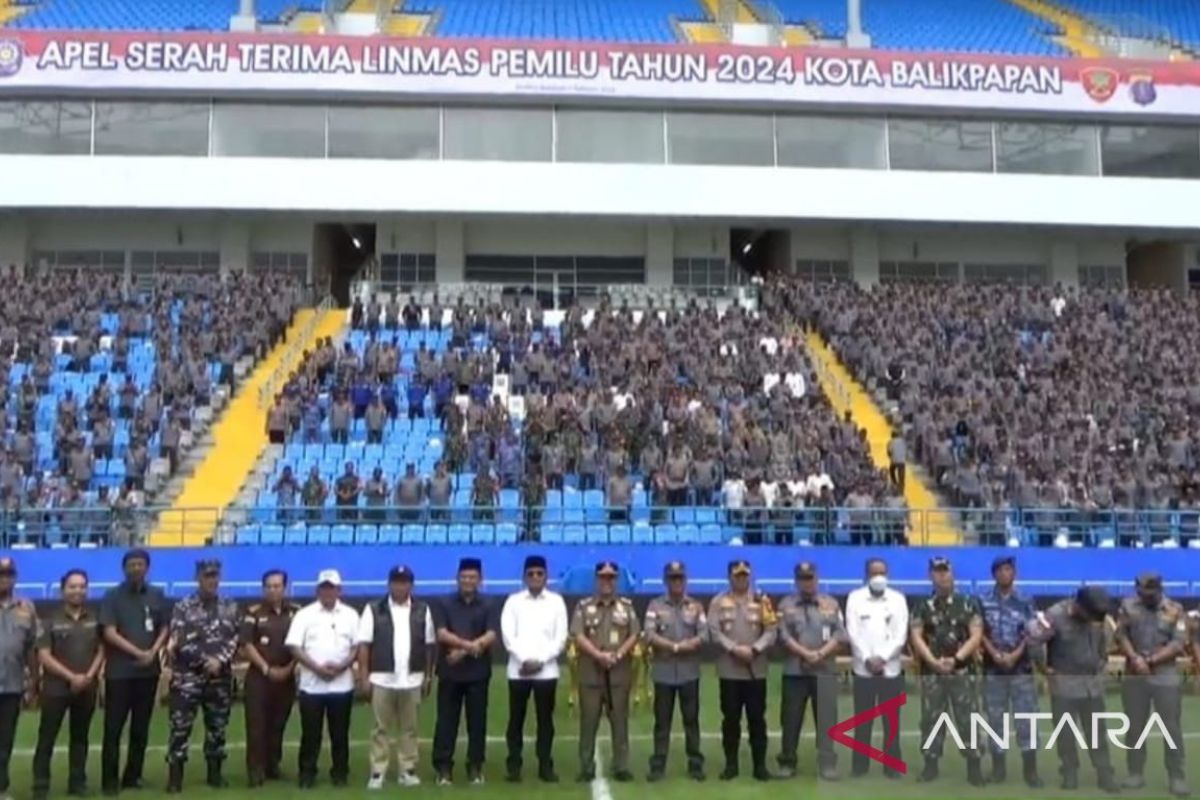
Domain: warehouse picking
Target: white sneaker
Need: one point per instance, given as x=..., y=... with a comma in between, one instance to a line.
x=444, y=781
x=409, y=779
x=376, y=782
x=477, y=780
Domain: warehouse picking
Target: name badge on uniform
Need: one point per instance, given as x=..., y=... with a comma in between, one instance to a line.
x=825, y=633
x=264, y=641
x=149, y=624
x=614, y=636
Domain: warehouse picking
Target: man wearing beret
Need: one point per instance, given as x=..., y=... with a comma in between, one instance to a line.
x=18, y=662
x=676, y=627
x=534, y=628
x=811, y=632
x=467, y=624
x=1152, y=634
x=204, y=629
x=1008, y=667
x=606, y=629
x=742, y=623
x=1076, y=638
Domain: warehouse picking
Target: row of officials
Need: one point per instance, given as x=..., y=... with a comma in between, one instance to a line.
x=972, y=652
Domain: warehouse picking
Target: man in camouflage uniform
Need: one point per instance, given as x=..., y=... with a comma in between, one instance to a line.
x=1152, y=634
x=605, y=628
x=676, y=628
x=1008, y=667
x=1076, y=638
x=742, y=622
x=946, y=631
x=811, y=632
x=203, y=640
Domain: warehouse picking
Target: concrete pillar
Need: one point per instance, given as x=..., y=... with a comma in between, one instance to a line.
x=660, y=254
x=1064, y=263
x=450, y=251
x=864, y=255
x=14, y=242
x=235, y=245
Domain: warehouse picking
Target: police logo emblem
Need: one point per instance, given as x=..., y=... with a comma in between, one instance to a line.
x=12, y=53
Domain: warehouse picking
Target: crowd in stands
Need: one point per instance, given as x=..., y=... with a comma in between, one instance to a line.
x=98, y=378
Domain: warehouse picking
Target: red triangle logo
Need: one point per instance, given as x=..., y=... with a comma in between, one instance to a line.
x=890, y=711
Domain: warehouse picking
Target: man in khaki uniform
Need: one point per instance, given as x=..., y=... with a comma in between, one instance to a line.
x=742, y=623
x=605, y=628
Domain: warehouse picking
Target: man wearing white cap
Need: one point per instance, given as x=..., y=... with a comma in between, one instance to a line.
x=322, y=638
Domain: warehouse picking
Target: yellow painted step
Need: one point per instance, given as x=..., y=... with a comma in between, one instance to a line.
x=1078, y=34
x=703, y=32
x=406, y=24
x=308, y=22
x=744, y=14
x=239, y=439
x=361, y=7
x=929, y=524
x=797, y=36
x=10, y=11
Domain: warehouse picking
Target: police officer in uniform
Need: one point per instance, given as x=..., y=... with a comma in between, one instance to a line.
x=811, y=631
x=1076, y=641
x=676, y=628
x=605, y=628
x=203, y=640
x=1008, y=668
x=1152, y=634
x=270, y=678
x=742, y=623
x=946, y=631
x=18, y=662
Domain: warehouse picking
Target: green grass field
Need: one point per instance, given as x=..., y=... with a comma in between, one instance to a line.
x=676, y=787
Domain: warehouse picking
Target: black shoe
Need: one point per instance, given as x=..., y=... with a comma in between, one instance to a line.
x=762, y=774
x=110, y=791
x=513, y=776
x=585, y=776
x=1108, y=784
x=654, y=776
x=729, y=773
x=273, y=773
x=855, y=772
x=975, y=773
x=697, y=775
x=340, y=782
x=255, y=779
x=622, y=776
x=1070, y=781
x=307, y=781
x=174, y=778
x=892, y=775
x=1029, y=770
x=548, y=776
x=999, y=769
x=40, y=795
x=215, y=779
x=134, y=784
x=79, y=791
x=930, y=772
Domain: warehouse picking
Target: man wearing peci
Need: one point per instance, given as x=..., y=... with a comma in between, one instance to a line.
x=270, y=678
x=467, y=624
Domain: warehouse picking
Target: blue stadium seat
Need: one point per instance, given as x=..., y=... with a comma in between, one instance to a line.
x=247, y=534
x=389, y=534
x=688, y=534
x=506, y=533
x=483, y=534
x=574, y=534
x=552, y=534
x=318, y=534
x=710, y=534
x=666, y=534
x=597, y=534
x=620, y=534
x=296, y=534
x=342, y=534
x=413, y=534
x=643, y=533
x=271, y=535
x=366, y=534
x=436, y=534
x=460, y=534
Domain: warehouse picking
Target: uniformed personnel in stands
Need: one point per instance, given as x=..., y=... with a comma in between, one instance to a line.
x=605, y=628
x=812, y=631
x=270, y=678
x=1152, y=634
x=742, y=622
x=676, y=628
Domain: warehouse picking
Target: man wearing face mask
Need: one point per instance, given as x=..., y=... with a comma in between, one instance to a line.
x=1152, y=634
x=1076, y=640
x=946, y=631
x=877, y=628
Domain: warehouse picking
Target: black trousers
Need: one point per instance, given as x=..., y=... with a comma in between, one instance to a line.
x=688, y=695
x=800, y=692
x=132, y=700
x=869, y=692
x=750, y=696
x=268, y=706
x=80, y=707
x=315, y=711
x=10, y=711
x=1082, y=710
x=1137, y=696
x=452, y=696
x=544, y=694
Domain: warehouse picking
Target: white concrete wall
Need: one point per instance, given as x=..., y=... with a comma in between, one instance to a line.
x=554, y=236
x=281, y=233
x=131, y=230
x=405, y=235
x=702, y=241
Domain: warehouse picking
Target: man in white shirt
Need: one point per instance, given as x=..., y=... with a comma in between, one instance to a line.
x=534, y=628
x=322, y=638
x=396, y=654
x=877, y=626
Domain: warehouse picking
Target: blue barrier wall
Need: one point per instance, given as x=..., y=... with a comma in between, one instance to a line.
x=364, y=569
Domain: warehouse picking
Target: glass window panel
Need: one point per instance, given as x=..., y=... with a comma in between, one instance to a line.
x=940, y=145
x=373, y=132
x=48, y=128
x=681, y=274
x=834, y=142
x=623, y=137
x=1047, y=149
x=1151, y=152
x=152, y=129
x=498, y=134
x=734, y=139
x=268, y=130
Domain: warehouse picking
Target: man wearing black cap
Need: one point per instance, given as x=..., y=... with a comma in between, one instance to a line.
x=606, y=629
x=676, y=627
x=1076, y=658
x=811, y=631
x=396, y=649
x=946, y=631
x=534, y=628
x=204, y=630
x=742, y=623
x=1152, y=633
x=18, y=662
x=135, y=620
x=467, y=624
x=1008, y=668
